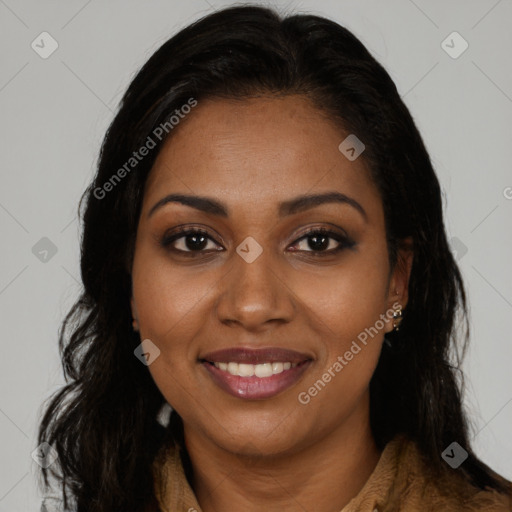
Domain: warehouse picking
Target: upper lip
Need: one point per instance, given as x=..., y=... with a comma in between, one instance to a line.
x=255, y=356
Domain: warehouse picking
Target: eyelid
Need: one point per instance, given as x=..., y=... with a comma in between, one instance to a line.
x=183, y=230
x=336, y=231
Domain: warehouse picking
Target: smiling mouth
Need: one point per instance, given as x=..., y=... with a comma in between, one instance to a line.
x=255, y=374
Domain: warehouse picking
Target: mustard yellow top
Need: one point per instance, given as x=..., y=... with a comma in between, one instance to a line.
x=398, y=483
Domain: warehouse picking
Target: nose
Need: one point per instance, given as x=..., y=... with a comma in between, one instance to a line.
x=255, y=295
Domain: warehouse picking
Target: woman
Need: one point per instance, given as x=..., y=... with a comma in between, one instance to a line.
x=264, y=251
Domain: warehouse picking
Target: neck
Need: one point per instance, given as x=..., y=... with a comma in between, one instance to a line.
x=323, y=477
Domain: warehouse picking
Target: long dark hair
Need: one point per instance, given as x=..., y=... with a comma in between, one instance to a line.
x=103, y=423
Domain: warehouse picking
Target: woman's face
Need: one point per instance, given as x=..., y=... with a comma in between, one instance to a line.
x=256, y=284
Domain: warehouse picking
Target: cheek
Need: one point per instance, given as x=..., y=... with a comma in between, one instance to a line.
x=346, y=312
x=169, y=306
x=351, y=298
x=166, y=298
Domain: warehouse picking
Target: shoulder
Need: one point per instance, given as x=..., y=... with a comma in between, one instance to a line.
x=416, y=488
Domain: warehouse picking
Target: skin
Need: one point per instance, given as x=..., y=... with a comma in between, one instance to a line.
x=273, y=454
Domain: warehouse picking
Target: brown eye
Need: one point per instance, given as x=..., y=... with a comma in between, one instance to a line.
x=320, y=239
x=194, y=240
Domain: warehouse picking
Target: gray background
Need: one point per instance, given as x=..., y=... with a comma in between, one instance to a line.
x=54, y=113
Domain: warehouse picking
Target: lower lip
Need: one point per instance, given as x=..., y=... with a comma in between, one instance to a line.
x=256, y=388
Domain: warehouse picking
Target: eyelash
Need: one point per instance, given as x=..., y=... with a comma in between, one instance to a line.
x=344, y=241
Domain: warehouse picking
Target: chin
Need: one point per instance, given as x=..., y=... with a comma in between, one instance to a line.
x=258, y=437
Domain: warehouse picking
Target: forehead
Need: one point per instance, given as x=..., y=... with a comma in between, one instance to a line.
x=257, y=150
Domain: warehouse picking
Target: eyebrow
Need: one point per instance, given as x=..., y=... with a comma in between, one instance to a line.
x=289, y=207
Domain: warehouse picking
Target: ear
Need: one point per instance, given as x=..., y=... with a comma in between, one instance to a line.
x=398, y=289
x=135, y=315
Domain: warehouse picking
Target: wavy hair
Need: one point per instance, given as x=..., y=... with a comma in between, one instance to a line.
x=103, y=423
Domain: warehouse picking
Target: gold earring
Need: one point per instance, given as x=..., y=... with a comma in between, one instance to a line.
x=397, y=318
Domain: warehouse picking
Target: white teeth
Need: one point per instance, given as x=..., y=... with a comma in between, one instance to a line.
x=259, y=370
x=263, y=370
x=245, y=370
x=277, y=368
